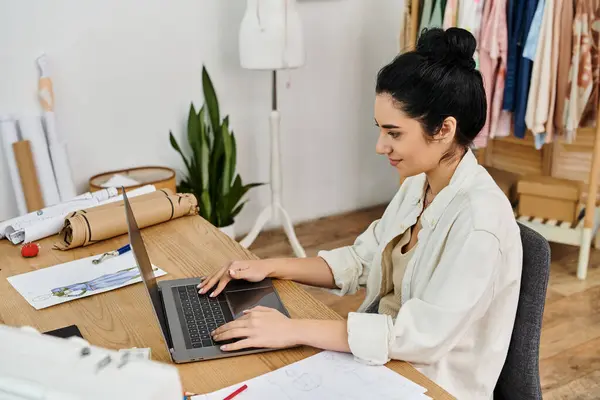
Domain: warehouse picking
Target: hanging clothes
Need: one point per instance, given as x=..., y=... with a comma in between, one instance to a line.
x=567, y=16
x=450, y=14
x=524, y=72
x=469, y=18
x=540, y=88
x=580, y=76
x=590, y=112
x=493, y=42
x=531, y=44
x=554, y=67
x=515, y=9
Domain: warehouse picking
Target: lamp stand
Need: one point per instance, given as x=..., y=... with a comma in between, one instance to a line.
x=275, y=210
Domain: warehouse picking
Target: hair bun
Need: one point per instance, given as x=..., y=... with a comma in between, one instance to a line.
x=455, y=45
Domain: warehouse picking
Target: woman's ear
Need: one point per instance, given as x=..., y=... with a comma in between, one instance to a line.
x=447, y=131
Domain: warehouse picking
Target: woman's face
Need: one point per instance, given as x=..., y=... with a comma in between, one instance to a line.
x=403, y=141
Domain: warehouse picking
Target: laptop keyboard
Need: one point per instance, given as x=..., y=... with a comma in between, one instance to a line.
x=202, y=315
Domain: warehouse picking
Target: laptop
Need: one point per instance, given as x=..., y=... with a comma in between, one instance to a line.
x=185, y=317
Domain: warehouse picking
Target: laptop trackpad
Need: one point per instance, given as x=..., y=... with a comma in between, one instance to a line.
x=240, y=300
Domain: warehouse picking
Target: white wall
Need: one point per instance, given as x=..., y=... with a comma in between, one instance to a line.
x=125, y=71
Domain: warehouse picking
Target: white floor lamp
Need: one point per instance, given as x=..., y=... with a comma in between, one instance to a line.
x=271, y=39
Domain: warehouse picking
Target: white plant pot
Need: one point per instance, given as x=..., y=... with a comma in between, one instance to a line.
x=229, y=230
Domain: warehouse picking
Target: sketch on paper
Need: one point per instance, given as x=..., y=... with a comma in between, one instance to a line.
x=328, y=375
x=77, y=279
x=113, y=280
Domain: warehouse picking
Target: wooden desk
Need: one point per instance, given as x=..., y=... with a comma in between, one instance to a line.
x=123, y=318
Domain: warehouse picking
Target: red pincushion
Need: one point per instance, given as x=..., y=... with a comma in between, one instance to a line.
x=30, y=250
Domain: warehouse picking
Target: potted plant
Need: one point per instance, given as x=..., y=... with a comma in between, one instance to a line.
x=211, y=167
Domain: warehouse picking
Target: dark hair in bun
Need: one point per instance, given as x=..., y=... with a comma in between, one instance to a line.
x=439, y=80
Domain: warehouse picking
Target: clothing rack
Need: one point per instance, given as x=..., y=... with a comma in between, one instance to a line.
x=545, y=162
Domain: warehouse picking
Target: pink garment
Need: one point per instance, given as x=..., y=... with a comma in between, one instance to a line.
x=493, y=44
x=450, y=14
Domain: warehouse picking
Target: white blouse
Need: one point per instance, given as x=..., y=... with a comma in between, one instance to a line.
x=460, y=289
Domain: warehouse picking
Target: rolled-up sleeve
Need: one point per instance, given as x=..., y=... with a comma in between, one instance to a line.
x=428, y=327
x=350, y=264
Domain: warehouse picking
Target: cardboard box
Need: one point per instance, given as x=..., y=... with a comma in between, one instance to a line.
x=549, y=198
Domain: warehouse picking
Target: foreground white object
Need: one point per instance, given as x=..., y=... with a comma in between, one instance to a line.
x=41, y=367
x=271, y=38
x=57, y=147
x=8, y=136
x=327, y=375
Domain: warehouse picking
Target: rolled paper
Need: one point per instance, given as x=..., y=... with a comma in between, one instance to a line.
x=28, y=175
x=101, y=223
x=32, y=130
x=8, y=136
x=48, y=223
x=57, y=147
x=61, y=210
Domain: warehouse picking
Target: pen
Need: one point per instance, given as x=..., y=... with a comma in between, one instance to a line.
x=240, y=390
x=115, y=253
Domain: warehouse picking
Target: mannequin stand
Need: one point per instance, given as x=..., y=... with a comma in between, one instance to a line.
x=275, y=211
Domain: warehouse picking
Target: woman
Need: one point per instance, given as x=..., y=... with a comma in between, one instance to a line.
x=442, y=267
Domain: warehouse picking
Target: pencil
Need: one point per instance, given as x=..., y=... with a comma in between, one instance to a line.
x=240, y=390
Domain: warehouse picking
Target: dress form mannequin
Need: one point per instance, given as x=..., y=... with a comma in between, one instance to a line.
x=271, y=39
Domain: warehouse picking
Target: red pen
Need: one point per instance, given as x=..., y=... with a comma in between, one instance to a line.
x=240, y=390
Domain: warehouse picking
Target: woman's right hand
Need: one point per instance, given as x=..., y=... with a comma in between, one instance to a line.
x=249, y=270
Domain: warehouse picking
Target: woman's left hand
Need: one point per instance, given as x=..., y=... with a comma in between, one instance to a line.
x=259, y=327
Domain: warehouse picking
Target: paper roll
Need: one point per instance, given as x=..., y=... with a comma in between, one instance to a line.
x=104, y=223
x=8, y=134
x=134, y=193
x=32, y=130
x=58, y=210
x=57, y=147
x=29, y=178
x=111, y=204
x=60, y=161
x=42, y=225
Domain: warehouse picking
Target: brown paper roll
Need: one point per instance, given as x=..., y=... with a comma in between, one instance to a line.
x=28, y=174
x=163, y=193
x=87, y=228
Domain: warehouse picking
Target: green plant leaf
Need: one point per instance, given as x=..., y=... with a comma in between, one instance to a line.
x=216, y=166
x=192, y=127
x=205, y=200
x=211, y=168
x=175, y=145
x=233, y=156
x=237, y=210
x=227, y=167
x=210, y=98
x=204, y=158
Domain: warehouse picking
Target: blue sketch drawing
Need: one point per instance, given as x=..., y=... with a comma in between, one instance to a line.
x=106, y=281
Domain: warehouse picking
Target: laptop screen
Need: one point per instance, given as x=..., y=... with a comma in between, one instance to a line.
x=145, y=266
